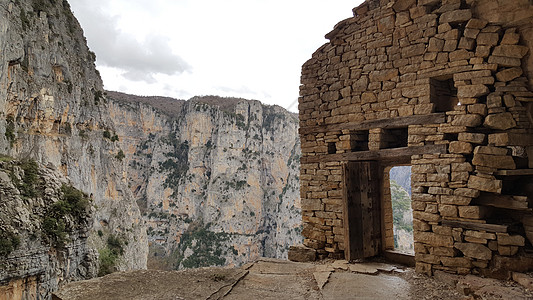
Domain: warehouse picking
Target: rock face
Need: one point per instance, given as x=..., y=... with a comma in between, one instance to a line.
x=212, y=184
x=53, y=110
x=44, y=226
x=217, y=184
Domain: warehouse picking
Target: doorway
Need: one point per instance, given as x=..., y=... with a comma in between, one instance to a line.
x=402, y=212
x=362, y=210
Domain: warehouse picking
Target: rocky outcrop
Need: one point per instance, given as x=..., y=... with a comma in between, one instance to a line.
x=52, y=110
x=44, y=229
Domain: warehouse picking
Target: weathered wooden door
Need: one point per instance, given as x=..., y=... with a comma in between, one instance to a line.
x=362, y=210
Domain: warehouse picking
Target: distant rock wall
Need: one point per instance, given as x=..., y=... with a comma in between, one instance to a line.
x=225, y=177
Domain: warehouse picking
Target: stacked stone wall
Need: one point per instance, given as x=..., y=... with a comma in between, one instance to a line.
x=403, y=59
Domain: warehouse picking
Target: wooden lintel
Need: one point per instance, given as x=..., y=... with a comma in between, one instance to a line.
x=475, y=226
x=436, y=118
x=517, y=172
x=503, y=201
x=383, y=154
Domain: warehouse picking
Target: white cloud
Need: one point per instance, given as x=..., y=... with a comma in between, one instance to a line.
x=243, y=48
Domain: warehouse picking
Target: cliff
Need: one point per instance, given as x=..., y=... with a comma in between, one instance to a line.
x=213, y=181
x=216, y=178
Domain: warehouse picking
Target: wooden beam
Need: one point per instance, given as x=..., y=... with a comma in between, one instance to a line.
x=436, y=118
x=383, y=154
x=475, y=226
x=517, y=172
x=503, y=201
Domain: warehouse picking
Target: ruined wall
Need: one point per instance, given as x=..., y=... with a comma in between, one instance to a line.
x=364, y=96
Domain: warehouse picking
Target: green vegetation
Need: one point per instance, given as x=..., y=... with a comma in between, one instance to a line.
x=120, y=155
x=401, y=204
x=206, y=246
x=98, y=95
x=109, y=255
x=24, y=20
x=177, y=163
x=107, y=135
x=8, y=242
x=10, y=130
x=73, y=205
x=30, y=179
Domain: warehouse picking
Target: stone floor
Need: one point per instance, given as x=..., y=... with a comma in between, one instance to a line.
x=277, y=279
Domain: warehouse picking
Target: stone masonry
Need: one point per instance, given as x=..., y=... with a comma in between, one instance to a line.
x=441, y=85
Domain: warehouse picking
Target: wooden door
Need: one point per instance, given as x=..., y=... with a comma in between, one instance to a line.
x=362, y=210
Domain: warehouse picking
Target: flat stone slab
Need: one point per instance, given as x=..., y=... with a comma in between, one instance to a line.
x=321, y=278
x=363, y=269
x=359, y=286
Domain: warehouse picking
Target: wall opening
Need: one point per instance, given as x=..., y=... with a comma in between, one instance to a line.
x=332, y=148
x=402, y=212
x=394, y=138
x=443, y=94
x=359, y=140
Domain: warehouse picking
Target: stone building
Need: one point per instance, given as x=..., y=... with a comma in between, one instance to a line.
x=443, y=86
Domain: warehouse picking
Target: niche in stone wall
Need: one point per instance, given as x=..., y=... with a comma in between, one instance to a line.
x=394, y=138
x=332, y=148
x=359, y=140
x=443, y=94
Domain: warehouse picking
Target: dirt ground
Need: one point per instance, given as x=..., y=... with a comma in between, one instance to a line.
x=277, y=279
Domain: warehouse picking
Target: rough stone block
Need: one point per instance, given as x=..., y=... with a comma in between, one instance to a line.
x=476, y=24
x=467, y=120
x=485, y=184
x=510, y=139
x=494, y=161
x=435, y=45
x=504, y=239
x=501, y=121
x=460, y=147
x=448, y=210
x=434, y=239
x=455, y=200
x=472, y=212
x=301, y=253
x=476, y=251
x=505, y=61
x=402, y=5
x=487, y=39
x=510, y=37
x=472, y=91
x=455, y=16
x=475, y=138
x=516, y=51
x=466, y=192
x=509, y=74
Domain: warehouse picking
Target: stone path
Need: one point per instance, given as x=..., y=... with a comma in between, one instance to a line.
x=277, y=279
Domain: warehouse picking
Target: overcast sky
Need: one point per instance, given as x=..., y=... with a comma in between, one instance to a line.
x=252, y=49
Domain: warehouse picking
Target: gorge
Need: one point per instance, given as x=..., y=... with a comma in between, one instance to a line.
x=164, y=183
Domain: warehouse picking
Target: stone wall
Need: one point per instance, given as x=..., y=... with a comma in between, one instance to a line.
x=442, y=86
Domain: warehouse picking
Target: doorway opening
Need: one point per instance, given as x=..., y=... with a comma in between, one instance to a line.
x=402, y=212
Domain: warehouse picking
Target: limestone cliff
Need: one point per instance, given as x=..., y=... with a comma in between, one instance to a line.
x=216, y=178
x=213, y=181
x=52, y=110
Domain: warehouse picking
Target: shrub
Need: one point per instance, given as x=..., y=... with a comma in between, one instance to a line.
x=29, y=181
x=8, y=242
x=10, y=130
x=108, y=261
x=120, y=155
x=107, y=134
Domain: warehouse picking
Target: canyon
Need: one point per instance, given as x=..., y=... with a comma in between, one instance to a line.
x=168, y=183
